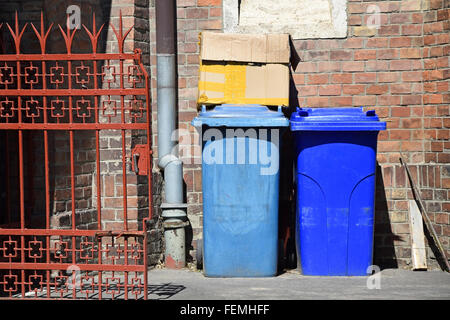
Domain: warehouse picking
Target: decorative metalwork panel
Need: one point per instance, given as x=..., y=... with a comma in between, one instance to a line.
x=73, y=92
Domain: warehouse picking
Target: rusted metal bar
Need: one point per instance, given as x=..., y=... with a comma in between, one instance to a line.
x=73, y=126
x=72, y=92
x=65, y=266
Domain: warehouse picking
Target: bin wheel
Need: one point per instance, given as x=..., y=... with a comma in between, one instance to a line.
x=199, y=254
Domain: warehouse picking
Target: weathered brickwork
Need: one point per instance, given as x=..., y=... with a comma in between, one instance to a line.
x=400, y=68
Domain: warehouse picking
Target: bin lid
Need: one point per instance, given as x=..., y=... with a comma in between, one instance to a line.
x=336, y=119
x=234, y=115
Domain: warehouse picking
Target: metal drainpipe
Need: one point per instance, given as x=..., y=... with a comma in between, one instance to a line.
x=173, y=209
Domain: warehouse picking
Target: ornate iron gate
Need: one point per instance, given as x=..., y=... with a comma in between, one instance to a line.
x=51, y=107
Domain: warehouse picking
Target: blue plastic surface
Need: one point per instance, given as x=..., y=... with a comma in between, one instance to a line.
x=240, y=204
x=335, y=190
x=231, y=115
x=336, y=119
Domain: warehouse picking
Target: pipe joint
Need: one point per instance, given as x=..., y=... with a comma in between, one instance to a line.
x=168, y=159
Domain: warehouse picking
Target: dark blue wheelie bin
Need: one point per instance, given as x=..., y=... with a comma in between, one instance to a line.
x=335, y=172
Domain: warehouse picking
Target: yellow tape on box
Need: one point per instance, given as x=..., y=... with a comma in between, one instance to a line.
x=245, y=68
x=243, y=83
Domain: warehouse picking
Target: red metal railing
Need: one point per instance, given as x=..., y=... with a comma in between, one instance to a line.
x=46, y=93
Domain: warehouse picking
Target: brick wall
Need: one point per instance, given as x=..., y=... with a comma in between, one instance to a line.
x=192, y=17
x=399, y=69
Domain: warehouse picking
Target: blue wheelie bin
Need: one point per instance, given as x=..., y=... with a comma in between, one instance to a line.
x=240, y=180
x=335, y=173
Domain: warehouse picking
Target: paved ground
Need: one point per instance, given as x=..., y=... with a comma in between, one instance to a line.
x=165, y=284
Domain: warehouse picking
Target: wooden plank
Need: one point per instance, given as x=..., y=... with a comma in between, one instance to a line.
x=418, y=250
x=425, y=217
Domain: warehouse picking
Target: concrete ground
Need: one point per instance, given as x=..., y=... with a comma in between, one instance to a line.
x=389, y=284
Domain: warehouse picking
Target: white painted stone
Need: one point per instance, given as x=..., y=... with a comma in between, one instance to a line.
x=303, y=19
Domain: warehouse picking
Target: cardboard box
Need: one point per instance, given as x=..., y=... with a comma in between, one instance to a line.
x=245, y=69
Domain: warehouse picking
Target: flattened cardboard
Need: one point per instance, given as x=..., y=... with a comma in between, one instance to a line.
x=265, y=48
x=245, y=69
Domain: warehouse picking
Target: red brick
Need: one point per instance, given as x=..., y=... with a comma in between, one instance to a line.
x=377, y=43
x=399, y=134
x=412, y=29
x=341, y=101
x=327, y=44
x=429, y=87
x=317, y=79
x=356, y=8
x=365, y=54
x=443, y=134
x=354, y=20
x=364, y=100
x=400, y=112
x=412, y=76
x=197, y=180
x=400, y=65
x=377, y=65
x=437, y=146
x=330, y=90
x=429, y=39
x=342, y=78
x=365, y=77
x=215, y=12
x=436, y=27
x=387, y=54
x=411, y=123
x=441, y=218
x=435, y=52
x=442, y=38
x=388, y=76
x=377, y=89
x=329, y=66
x=432, y=98
x=410, y=53
x=341, y=55
x=353, y=66
x=209, y=24
x=389, y=30
x=433, y=123
x=307, y=67
x=388, y=100
x=317, y=102
x=443, y=14
x=412, y=146
x=400, y=18
x=417, y=17
x=400, y=88
x=411, y=99
x=400, y=42
x=298, y=78
x=211, y=3
x=444, y=158
x=389, y=6
x=307, y=90
x=353, y=89
x=196, y=13
x=388, y=146
x=436, y=63
x=353, y=43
